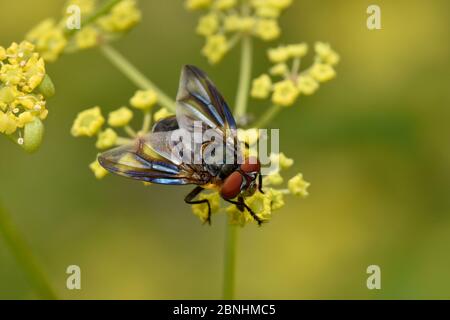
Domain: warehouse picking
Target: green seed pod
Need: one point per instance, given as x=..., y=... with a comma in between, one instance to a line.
x=32, y=135
x=46, y=87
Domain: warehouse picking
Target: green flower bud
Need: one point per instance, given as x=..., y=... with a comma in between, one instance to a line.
x=32, y=135
x=46, y=87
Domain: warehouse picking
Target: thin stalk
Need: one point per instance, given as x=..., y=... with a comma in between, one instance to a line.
x=24, y=256
x=240, y=112
x=147, y=122
x=122, y=141
x=230, y=261
x=267, y=116
x=130, y=132
x=244, y=78
x=132, y=73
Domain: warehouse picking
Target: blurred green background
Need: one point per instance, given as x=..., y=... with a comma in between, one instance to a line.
x=374, y=143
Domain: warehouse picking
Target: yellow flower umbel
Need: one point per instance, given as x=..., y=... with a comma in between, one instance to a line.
x=92, y=123
x=295, y=82
x=227, y=21
x=24, y=87
x=53, y=38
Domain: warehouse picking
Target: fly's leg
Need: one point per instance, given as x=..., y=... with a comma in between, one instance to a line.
x=240, y=204
x=260, y=183
x=189, y=199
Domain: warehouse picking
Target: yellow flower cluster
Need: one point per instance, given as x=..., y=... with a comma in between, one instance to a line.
x=90, y=123
x=295, y=82
x=225, y=21
x=24, y=87
x=52, y=38
x=262, y=204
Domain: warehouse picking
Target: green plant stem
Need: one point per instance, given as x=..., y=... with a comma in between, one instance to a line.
x=147, y=122
x=230, y=261
x=240, y=112
x=24, y=256
x=244, y=78
x=132, y=73
x=267, y=116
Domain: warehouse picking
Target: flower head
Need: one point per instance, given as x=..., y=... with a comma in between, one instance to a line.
x=261, y=87
x=298, y=186
x=88, y=122
x=106, y=139
x=296, y=82
x=322, y=72
x=208, y=24
x=120, y=117
x=24, y=87
x=49, y=39
x=267, y=29
x=52, y=38
x=161, y=114
x=144, y=99
x=215, y=48
x=98, y=170
x=233, y=20
x=285, y=93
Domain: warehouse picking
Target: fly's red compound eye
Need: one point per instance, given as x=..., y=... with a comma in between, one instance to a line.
x=251, y=165
x=232, y=186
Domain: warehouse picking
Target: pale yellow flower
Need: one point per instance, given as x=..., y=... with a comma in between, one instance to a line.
x=201, y=210
x=322, y=72
x=208, y=24
x=106, y=139
x=307, y=84
x=278, y=55
x=120, y=117
x=285, y=93
x=8, y=123
x=87, y=37
x=22, y=73
x=261, y=87
x=88, y=123
x=281, y=160
x=2, y=53
x=326, y=54
x=162, y=114
x=98, y=170
x=274, y=179
x=144, y=99
x=215, y=48
x=267, y=29
x=298, y=186
x=49, y=39
x=297, y=50
x=280, y=69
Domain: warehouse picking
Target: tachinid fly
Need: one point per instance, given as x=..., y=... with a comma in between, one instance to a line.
x=158, y=158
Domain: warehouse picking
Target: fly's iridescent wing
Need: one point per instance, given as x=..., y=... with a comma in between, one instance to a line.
x=200, y=102
x=150, y=159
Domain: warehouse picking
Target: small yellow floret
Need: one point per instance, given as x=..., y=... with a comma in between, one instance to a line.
x=120, y=117
x=261, y=87
x=88, y=122
x=144, y=99
x=298, y=186
x=106, y=139
x=285, y=93
x=98, y=170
